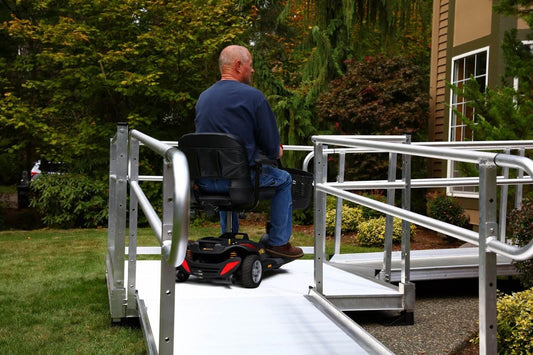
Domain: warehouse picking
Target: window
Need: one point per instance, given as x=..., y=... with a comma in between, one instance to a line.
x=528, y=45
x=472, y=65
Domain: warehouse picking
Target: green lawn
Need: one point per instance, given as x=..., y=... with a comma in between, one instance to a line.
x=53, y=292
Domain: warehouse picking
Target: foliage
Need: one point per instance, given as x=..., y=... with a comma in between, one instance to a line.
x=369, y=213
x=70, y=200
x=445, y=208
x=333, y=31
x=303, y=217
x=351, y=218
x=372, y=232
x=499, y=114
x=378, y=95
x=520, y=230
x=300, y=46
x=71, y=70
x=515, y=316
x=12, y=167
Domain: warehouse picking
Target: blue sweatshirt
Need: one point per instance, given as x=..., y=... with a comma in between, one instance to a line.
x=229, y=106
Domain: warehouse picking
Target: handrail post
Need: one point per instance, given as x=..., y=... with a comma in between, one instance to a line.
x=168, y=272
x=320, y=216
x=488, y=227
x=519, y=187
x=118, y=171
x=338, y=211
x=504, y=196
x=385, y=273
x=406, y=286
x=133, y=158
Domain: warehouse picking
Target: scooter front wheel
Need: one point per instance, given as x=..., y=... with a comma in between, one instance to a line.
x=251, y=271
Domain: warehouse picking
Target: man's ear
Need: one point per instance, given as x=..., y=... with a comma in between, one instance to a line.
x=237, y=66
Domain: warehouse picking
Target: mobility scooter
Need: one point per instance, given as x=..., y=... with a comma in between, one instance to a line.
x=233, y=257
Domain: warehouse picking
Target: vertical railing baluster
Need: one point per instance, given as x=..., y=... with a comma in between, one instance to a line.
x=320, y=216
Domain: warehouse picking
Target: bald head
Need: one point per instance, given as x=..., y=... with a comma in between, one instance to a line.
x=235, y=63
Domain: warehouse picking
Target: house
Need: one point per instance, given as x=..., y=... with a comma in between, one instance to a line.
x=466, y=41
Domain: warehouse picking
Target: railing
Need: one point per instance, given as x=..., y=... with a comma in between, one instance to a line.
x=486, y=239
x=171, y=231
x=391, y=184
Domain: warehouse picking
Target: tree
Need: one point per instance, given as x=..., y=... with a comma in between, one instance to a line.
x=76, y=68
x=303, y=45
x=379, y=95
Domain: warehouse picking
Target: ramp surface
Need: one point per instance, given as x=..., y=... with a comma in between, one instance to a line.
x=274, y=318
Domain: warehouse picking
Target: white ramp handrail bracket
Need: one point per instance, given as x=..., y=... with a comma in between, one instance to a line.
x=173, y=250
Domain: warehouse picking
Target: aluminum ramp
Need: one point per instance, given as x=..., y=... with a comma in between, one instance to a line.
x=431, y=264
x=276, y=317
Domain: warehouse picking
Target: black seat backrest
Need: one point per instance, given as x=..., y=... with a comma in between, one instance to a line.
x=219, y=156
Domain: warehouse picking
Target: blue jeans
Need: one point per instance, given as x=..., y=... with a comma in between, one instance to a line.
x=280, y=203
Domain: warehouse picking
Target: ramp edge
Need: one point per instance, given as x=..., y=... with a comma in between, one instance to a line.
x=352, y=329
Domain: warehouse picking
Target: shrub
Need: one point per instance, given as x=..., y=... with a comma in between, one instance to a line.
x=70, y=200
x=352, y=217
x=372, y=232
x=520, y=228
x=369, y=213
x=446, y=209
x=515, y=317
x=378, y=95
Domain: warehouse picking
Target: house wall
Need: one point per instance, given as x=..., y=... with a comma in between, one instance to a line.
x=459, y=27
x=438, y=72
x=472, y=20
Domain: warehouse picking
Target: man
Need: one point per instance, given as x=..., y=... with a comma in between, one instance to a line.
x=232, y=106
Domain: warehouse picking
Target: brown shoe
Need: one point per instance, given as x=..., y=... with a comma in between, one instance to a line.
x=285, y=251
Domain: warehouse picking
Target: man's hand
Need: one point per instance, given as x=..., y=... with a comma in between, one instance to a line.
x=280, y=151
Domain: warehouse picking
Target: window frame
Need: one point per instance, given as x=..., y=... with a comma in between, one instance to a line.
x=452, y=120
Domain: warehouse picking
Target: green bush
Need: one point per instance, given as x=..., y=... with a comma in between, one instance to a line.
x=369, y=213
x=445, y=208
x=372, y=232
x=70, y=200
x=520, y=230
x=515, y=319
x=351, y=218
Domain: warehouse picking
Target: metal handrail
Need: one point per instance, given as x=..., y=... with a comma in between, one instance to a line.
x=469, y=156
x=174, y=250
x=486, y=239
x=477, y=145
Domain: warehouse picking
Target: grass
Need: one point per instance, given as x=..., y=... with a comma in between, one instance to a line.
x=54, y=295
x=11, y=189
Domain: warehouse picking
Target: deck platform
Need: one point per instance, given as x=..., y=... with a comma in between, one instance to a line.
x=432, y=264
x=276, y=317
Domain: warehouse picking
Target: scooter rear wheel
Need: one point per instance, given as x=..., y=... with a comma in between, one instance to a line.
x=181, y=274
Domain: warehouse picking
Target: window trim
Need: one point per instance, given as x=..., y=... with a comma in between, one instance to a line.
x=450, y=165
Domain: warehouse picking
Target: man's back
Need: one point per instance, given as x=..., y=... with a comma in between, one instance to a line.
x=239, y=109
